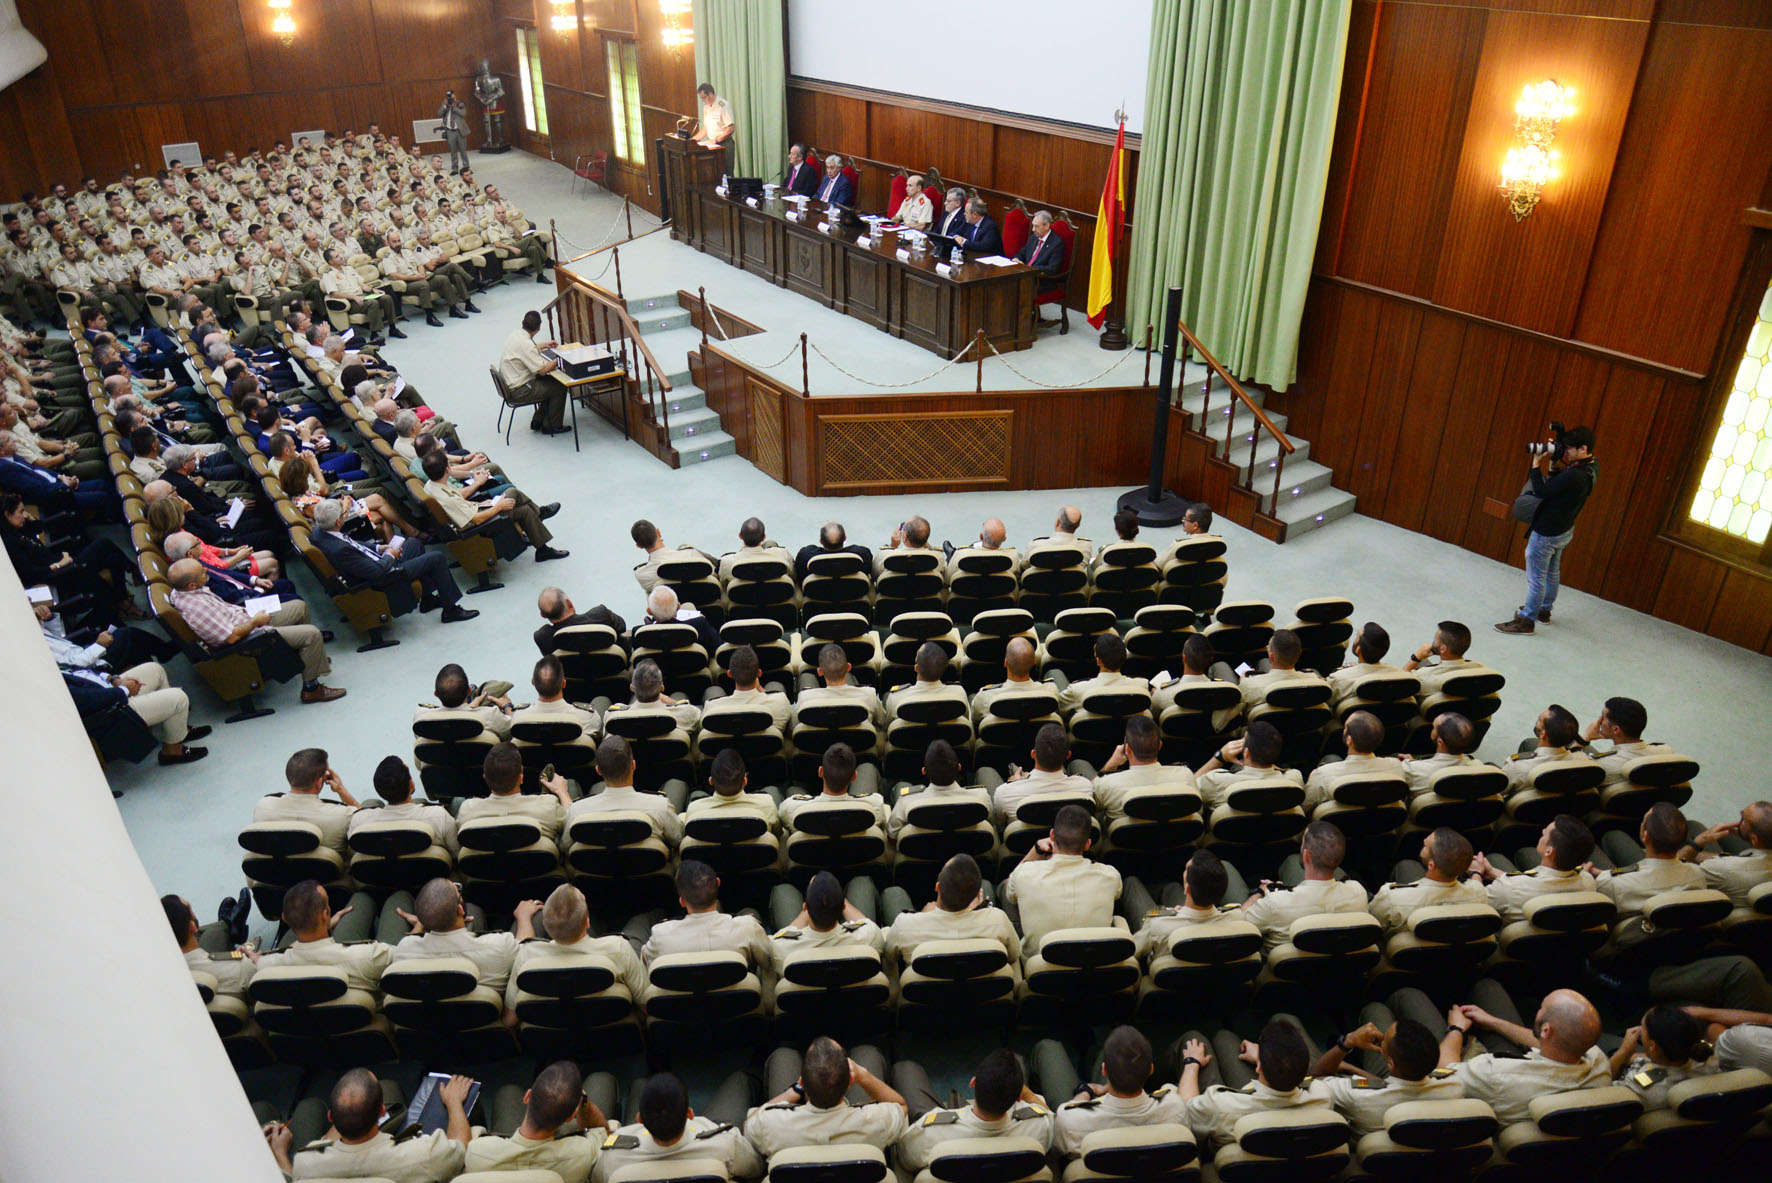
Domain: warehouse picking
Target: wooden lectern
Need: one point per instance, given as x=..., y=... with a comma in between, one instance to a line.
x=687, y=166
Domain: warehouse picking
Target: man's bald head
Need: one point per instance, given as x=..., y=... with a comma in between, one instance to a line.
x=180, y=545
x=184, y=574
x=992, y=533
x=1069, y=518
x=386, y=409
x=1018, y=657
x=1756, y=825
x=156, y=490
x=1567, y=1025
x=355, y=1105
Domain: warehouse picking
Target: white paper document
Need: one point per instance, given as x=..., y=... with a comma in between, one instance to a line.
x=399, y=385
x=997, y=261
x=236, y=507
x=266, y=604
x=40, y=594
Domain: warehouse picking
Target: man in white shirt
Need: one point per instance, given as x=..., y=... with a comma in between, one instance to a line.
x=1370, y=645
x=1454, y=737
x=1441, y=877
x=307, y=772
x=503, y=770
x=716, y=118
x=1442, y=658
x=1283, y=651
x=1050, y=776
x=528, y=375
x=1057, y=886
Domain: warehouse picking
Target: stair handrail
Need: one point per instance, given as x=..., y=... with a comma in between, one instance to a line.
x=1214, y=366
x=657, y=382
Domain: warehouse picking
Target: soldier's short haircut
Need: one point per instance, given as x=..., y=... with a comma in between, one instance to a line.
x=664, y=1107
x=1326, y=845
x=565, y=913
x=1197, y=652
x=941, y=763
x=305, y=767
x=1458, y=733
x=1206, y=879
x=1051, y=747
x=438, y=905
x=1561, y=728
x=302, y=905
x=1365, y=730
x=392, y=780
x=751, y=532
x=1110, y=651
x=644, y=533
x=727, y=772
x=833, y=661
x=178, y=914
x=697, y=884
x=1451, y=852
x=1629, y=715
x=451, y=686
x=1414, y=1052
x=502, y=767
x=1126, y=1058
x=647, y=680
x=824, y=1071
x=824, y=901
x=549, y=676
x=1262, y=743
x=1571, y=842
x=615, y=759
x=998, y=1083
x=956, y=885
x=1284, y=1058
x=838, y=767
x=932, y=661
x=355, y=1103
x=1070, y=829
x=916, y=531
x=1757, y=817
x=1143, y=738
x=1200, y=514
x=1285, y=646
x=743, y=665
x=1375, y=642
x=1455, y=636
x=1665, y=827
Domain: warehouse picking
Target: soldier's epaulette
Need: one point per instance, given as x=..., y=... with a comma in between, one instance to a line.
x=316, y=1146
x=1164, y=1091
x=1091, y=1103
x=896, y=689
x=940, y=1117
x=1649, y=1077
x=1155, y=912
x=1306, y=1082
x=1028, y=1112
x=783, y=1105
x=801, y=797
x=1248, y=1088
x=1366, y=1082
x=1442, y=1073
x=790, y=933
x=715, y=1132
x=230, y=955
x=620, y=1141
x=618, y=706
x=852, y=925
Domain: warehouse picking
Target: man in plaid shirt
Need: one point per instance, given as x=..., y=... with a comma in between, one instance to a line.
x=217, y=623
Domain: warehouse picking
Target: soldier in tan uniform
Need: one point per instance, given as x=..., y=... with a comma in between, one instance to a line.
x=1064, y=534
x=1621, y=724
x=809, y=1106
x=730, y=785
x=991, y=537
x=837, y=774
x=1283, y=651
x=825, y=919
x=1362, y=734
x=1556, y=729
x=363, y=1150
x=489, y=704
x=704, y=928
x=617, y=794
x=941, y=764
x=207, y=949
x=1738, y=873
x=1051, y=775
x=1446, y=653
x=307, y=772
x=1056, y=886
x=959, y=911
x=753, y=543
x=931, y=665
x=647, y=684
x=912, y=535
x=558, y=1098
x=377, y=306
x=1205, y=884
x=1019, y=660
x=308, y=915
x=1135, y=765
x=1369, y=646
x=747, y=691
x=1002, y=1106
x=1110, y=655
x=1121, y=1102
x=1197, y=661
x=503, y=770
x=1440, y=877
x=1273, y=908
x=647, y=537
x=1282, y=1061
x=1564, y=846
x=440, y=929
x=837, y=687
x=1252, y=758
x=1667, y=1048
x=1411, y=1057
x=1454, y=737
x=1657, y=861
x=549, y=681
x=669, y=1128
x=427, y=287
x=568, y=924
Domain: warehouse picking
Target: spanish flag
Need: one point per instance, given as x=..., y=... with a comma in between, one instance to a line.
x=1108, y=217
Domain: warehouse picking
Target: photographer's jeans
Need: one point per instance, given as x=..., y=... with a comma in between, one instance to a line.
x=1544, y=569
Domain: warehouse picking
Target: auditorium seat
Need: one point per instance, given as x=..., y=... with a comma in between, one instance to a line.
x=749, y=730
x=900, y=186
x=1571, y=1132
x=1007, y=1159
x=740, y=847
x=850, y=630
x=1211, y=966
x=776, y=647
x=839, y=990
x=1700, y=1124
x=909, y=581
x=1366, y=808
x=1080, y=971
x=681, y=657
x=617, y=860
x=1195, y=574
x=242, y=1039
x=442, y=1014
x=695, y=581
x=311, y=1016
x=390, y=856
x=234, y=672
x=574, y=1008
x=1285, y=1146
x=980, y=581
x=663, y=750
x=965, y=984
x=1240, y=631
x=1389, y=696
x=1429, y=1140
x=1258, y=818
x=1098, y=725
x=1124, y=578
x=1070, y=646
x=1649, y=781
x=1559, y=931
x=906, y=634
x=836, y=583
x=450, y=748
x=544, y=739
x=1467, y=799
x=283, y=853
x=920, y=723
x=1017, y=226
x=1054, y=578
x=1673, y=928
x=1299, y=710
x=987, y=640
x=1323, y=627
x=1162, y=1152
x=593, y=660
x=368, y=607
x=819, y=725
x=1191, y=734
x=1034, y=817
x=1444, y=945
x=1006, y=732
x=1324, y=958
x=763, y=586
x=935, y=830
x=1160, y=821
x=504, y=860
x=692, y=997
x=1155, y=640
x=1475, y=694
x=838, y=835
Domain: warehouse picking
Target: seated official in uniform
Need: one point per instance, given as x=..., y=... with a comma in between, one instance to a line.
x=455, y=694
x=548, y=679
x=833, y=685
x=1002, y=1106
x=930, y=685
x=1454, y=737
x=958, y=912
x=668, y=1128
x=1197, y=662
x=1442, y=657
x=753, y=542
x=647, y=537
x=801, y=174
x=1242, y=761
x=308, y=772
x=727, y=790
x=209, y=949
x=1273, y=908
x=941, y=764
x=1369, y=646
x=502, y=770
x=1667, y=1048
x=1362, y=734
x=832, y=540
x=1056, y=886
x=363, y=1149
x=1411, y=1058
x=1282, y=1062
x=836, y=773
x=703, y=928
x=1556, y=731
x=1019, y=659
x=1044, y=251
x=1197, y=899
x=1620, y=724
x=1737, y=873
x=617, y=794
x=992, y=538
x=1064, y=533
x=1283, y=651
x=836, y=188
x=1110, y=656
x=1657, y=861
x=1442, y=876
x=1119, y=1100
x=747, y=691
x=557, y=1098
x=529, y=375
x=827, y=919
x=308, y=915
x=558, y=612
x=1564, y=846
x=813, y=1110
x=393, y=784
x=1560, y=1055
x=1051, y=775
x=1134, y=766
x=568, y=923
x=916, y=210
x=508, y=503
x=440, y=929
x=913, y=534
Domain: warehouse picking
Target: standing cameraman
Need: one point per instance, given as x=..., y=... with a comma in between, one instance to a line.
x=454, y=114
x=1560, y=498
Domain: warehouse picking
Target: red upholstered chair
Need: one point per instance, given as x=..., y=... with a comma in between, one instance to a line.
x=1017, y=225
x=854, y=175
x=1067, y=234
x=935, y=187
x=898, y=191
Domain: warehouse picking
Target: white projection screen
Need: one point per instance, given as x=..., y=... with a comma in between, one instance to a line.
x=1073, y=63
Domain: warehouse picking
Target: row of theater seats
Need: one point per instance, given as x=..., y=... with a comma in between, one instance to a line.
x=1122, y=578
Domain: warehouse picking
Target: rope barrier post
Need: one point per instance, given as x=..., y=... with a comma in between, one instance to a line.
x=805, y=376
x=703, y=292
x=978, y=346
x=1147, y=354
x=616, y=252
x=1155, y=505
x=627, y=207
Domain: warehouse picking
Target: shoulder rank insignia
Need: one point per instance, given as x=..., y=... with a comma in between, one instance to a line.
x=801, y=797
x=620, y=1141
x=1027, y=1112
x=852, y=925
x=940, y=1117
x=1649, y=1077
x=1248, y=1088
x=618, y=706
x=1442, y=1073
x=1164, y=1091
x=790, y=933
x=230, y=955
x=1365, y=1082
x=1088, y=1103
x=783, y=1105
x=1154, y=912
x=715, y=1132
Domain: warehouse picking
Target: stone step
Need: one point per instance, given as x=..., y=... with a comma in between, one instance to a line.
x=1267, y=451
x=685, y=397
x=695, y=422
x=662, y=321
x=1301, y=479
x=698, y=449
x=1315, y=510
x=644, y=304
x=1238, y=427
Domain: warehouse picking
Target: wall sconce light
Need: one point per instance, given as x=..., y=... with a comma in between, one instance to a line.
x=282, y=24
x=678, y=33
x=564, y=19
x=1530, y=163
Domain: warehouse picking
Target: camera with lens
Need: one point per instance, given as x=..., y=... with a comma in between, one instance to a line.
x=1553, y=447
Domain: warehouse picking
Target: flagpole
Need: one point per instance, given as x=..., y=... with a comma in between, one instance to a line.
x=1113, y=332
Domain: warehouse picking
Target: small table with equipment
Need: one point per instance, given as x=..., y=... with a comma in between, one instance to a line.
x=586, y=371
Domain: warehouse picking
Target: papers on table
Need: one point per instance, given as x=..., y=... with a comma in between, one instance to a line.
x=997, y=261
x=236, y=507
x=266, y=604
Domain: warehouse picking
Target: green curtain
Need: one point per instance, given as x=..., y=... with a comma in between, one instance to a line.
x=1240, y=107
x=739, y=50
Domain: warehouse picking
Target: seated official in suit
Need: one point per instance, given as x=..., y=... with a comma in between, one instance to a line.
x=801, y=174
x=360, y=563
x=558, y=612
x=952, y=219
x=836, y=189
x=916, y=210
x=980, y=234
x=1044, y=251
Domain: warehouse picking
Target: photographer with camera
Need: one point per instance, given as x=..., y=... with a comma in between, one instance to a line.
x=1549, y=505
x=454, y=113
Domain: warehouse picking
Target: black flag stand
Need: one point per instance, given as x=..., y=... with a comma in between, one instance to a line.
x=1155, y=505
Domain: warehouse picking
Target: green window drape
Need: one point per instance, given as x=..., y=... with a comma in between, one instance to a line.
x=739, y=50
x=1240, y=119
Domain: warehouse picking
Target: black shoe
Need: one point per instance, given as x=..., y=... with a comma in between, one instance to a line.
x=536, y=427
x=545, y=554
x=326, y=634
x=456, y=612
x=947, y=548
x=471, y=306
x=456, y=313
x=394, y=331
x=375, y=342
x=431, y=319
x=540, y=278
x=549, y=510
x=429, y=604
x=197, y=733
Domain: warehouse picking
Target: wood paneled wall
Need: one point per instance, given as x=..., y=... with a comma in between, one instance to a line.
x=126, y=76
x=1043, y=165
x=1440, y=335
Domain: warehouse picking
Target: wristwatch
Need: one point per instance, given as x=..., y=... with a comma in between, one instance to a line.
x=1194, y=1060
x=1341, y=1044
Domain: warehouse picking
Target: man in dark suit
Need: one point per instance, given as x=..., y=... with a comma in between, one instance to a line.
x=980, y=235
x=832, y=540
x=361, y=563
x=1044, y=252
x=558, y=612
x=835, y=189
x=952, y=221
x=801, y=174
